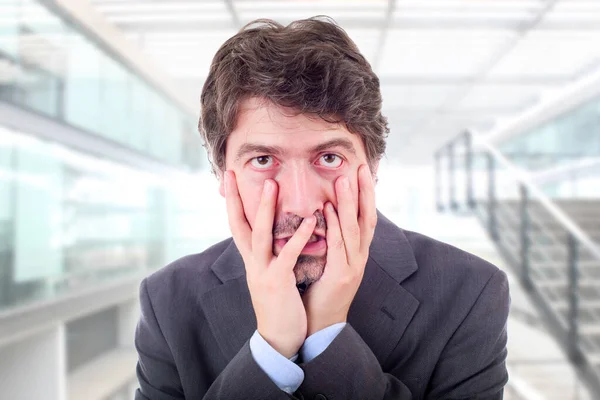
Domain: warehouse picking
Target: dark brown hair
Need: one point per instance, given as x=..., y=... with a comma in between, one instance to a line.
x=311, y=66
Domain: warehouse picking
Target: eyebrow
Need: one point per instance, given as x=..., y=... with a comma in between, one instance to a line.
x=343, y=143
x=247, y=148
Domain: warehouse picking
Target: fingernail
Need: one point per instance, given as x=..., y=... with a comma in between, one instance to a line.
x=309, y=220
x=267, y=187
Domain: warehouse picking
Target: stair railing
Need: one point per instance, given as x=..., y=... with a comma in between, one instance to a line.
x=473, y=176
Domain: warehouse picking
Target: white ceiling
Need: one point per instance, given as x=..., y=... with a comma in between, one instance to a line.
x=445, y=65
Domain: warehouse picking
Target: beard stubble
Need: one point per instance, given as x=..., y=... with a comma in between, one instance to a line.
x=308, y=268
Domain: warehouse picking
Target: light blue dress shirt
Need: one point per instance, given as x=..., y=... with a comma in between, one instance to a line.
x=283, y=371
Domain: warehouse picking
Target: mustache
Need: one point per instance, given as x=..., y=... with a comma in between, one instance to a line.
x=290, y=224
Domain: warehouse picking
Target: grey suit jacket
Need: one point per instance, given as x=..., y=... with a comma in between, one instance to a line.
x=428, y=322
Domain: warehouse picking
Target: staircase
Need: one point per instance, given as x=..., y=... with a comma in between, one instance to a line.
x=552, y=246
x=538, y=368
x=549, y=263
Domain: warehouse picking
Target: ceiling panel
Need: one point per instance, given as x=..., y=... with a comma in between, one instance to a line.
x=362, y=20
x=486, y=11
x=444, y=65
x=471, y=5
x=554, y=54
x=311, y=5
x=464, y=14
x=146, y=7
x=165, y=17
x=416, y=96
x=371, y=13
x=148, y=12
x=575, y=11
x=184, y=55
x=502, y=97
x=449, y=53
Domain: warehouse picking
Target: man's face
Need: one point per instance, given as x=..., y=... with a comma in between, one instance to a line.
x=304, y=155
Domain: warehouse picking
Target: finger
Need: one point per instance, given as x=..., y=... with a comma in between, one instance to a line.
x=367, y=212
x=262, y=232
x=240, y=229
x=347, y=216
x=336, y=248
x=292, y=249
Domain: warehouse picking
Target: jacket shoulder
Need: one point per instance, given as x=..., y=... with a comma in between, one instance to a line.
x=439, y=257
x=450, y=282
x=191, y=270
x=452, y=275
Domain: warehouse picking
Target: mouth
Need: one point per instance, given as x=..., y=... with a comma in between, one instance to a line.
x=316, y=236
x=316, y=244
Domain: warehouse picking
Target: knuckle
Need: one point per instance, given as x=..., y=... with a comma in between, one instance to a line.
x=345, y=280
x=348, y=280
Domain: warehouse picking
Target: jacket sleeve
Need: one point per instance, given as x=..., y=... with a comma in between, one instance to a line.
x=159, y=379
x=353, y=372
x=473, y=363
x=471, y=366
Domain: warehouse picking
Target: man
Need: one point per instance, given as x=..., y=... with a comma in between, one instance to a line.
x=318, y=296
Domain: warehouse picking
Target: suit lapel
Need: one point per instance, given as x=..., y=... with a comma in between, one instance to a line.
x=382, y=308
x=380, y=313
x=228, y=307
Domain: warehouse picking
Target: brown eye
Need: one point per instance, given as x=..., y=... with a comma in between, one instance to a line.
x=262, y=162
x=331, y=160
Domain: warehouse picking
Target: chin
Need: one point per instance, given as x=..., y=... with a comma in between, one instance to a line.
x=309, y=269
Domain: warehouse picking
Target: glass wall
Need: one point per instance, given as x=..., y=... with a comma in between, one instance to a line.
x=563, y=154
x=69, y=220
x=49, y=66
x=572, y=135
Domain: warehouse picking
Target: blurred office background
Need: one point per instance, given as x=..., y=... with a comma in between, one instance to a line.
x=494, y=110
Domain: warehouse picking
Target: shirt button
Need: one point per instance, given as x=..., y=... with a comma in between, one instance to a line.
x=320, y=397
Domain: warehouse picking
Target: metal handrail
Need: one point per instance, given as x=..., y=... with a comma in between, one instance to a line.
x=566, y=327
x=545, y=229
x=523, y=178
x=565, y=170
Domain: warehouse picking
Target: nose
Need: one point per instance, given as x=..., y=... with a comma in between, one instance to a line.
x=301, y=191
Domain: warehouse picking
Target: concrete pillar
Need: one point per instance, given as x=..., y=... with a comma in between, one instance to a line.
x=35, y=367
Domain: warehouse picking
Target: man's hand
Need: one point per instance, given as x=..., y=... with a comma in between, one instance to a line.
x=349, y=235
x=280, y=314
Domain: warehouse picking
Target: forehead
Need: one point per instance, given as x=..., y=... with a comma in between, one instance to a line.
x=262, y=122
